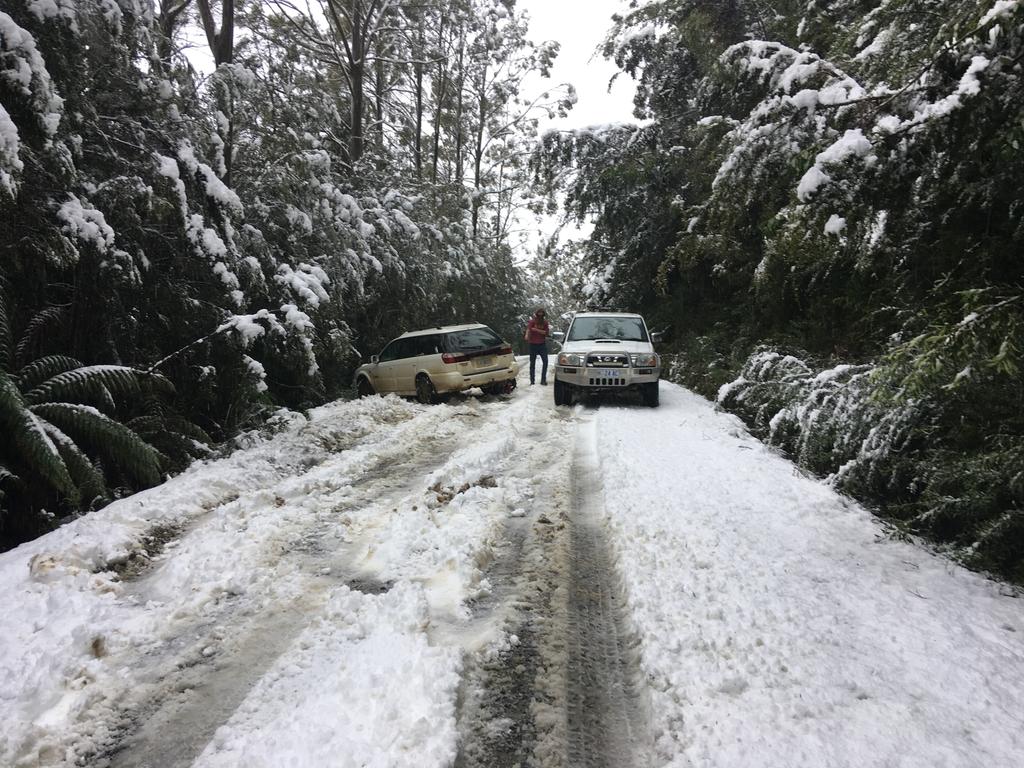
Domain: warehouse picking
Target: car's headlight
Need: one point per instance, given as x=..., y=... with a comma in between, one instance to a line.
x=567, y=358
x=644, y=360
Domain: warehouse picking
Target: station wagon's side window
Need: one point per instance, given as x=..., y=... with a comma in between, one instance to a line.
x=392, y=351
x=430, y=345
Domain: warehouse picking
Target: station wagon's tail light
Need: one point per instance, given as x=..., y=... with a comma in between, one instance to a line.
x=506, y=350
x=449, y=358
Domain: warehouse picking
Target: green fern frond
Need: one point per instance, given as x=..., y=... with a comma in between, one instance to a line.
x=8, y=477
x=44, y=368
x=35, y=328
x=111, y=439
x=80, y=383
x=180, y=450
x=151, y=424
x=6, y=337
x=31, y=443
x=87, y=477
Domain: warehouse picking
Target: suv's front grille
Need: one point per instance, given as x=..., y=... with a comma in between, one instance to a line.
x=607, y=360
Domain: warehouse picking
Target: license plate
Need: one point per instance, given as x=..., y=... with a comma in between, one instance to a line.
x=610, y=374
x=484, y=362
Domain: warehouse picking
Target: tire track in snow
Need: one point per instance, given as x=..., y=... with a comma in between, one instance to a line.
x=566, y=691
x=606, y=712
x=503, y=683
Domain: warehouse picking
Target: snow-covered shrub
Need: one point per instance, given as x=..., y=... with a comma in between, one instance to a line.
x=829, y=420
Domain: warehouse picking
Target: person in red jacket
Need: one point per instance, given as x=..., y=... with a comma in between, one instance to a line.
x=537, y=330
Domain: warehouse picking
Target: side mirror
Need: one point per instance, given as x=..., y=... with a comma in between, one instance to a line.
x=374, y=359
x=656, y=337
x=557, y=335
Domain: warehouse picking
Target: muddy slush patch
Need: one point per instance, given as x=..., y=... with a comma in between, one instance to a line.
x=140, y=560
x=498, y=684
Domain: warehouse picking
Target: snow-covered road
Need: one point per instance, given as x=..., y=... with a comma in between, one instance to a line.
x=499, y=582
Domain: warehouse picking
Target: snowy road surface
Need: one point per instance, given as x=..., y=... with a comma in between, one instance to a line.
x=497, y=582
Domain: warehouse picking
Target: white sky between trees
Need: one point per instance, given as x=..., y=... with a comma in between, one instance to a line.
x=580, y=27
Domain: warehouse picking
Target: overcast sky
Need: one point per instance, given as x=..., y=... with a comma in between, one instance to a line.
x=580, y=26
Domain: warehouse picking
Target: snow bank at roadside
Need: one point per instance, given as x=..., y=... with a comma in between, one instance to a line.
x=780, y=625
x=78, y=638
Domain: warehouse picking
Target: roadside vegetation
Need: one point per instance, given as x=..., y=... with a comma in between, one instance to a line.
x=823, y=205
x=194, y=235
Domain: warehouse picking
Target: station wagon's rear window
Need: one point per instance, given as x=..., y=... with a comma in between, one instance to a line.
x=473, y=340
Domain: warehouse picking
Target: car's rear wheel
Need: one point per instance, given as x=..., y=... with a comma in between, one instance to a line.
x=649, y=394
x=364, y=388
x=425, y=391
x=563, y=394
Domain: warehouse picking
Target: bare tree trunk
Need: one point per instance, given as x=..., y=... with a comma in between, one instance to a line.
x=222, y=42
x=442, y=90
x=166, y=21
x=478, y=150
x=458, y=109
x=357, y=64
x=418, y=70
x=379, y=88
x=222, y=46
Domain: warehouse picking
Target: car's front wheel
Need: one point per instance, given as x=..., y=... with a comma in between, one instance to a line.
x=563, y=394
x=649, y=394
x=425, y=391
x=364, y=388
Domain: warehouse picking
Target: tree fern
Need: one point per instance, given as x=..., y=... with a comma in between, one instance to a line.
x=34, y=330
x=30, y=441
x=7, y=478
x=111, y=439
x=80, y=383
x=44, y=368
x=6, y=346
x=85, y=474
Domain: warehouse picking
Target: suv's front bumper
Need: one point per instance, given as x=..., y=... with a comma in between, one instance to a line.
x=610, y=379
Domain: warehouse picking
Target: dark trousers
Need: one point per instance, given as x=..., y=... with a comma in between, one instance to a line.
x=541, y=351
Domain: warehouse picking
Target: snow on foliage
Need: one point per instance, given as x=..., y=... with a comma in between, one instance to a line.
x=22, y=68
x=969, y=85
x=824, y=419
x=215, y=188
x=796, y=84
x=307, y=281
x=85, y=223
x=10, y=163
x=852, y=144
x=1001, y=10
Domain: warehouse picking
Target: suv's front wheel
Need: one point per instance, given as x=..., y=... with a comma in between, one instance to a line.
x=563, y=393
x=649, y=394
x=425, y=391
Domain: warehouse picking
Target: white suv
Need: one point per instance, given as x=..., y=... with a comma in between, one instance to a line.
x=607, y=352
x=433, y=362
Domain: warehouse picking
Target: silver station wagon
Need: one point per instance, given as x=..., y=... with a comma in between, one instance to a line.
x=431, y=363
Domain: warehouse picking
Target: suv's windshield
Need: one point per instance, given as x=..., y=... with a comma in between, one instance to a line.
x=472, y=340
x=613, y=328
